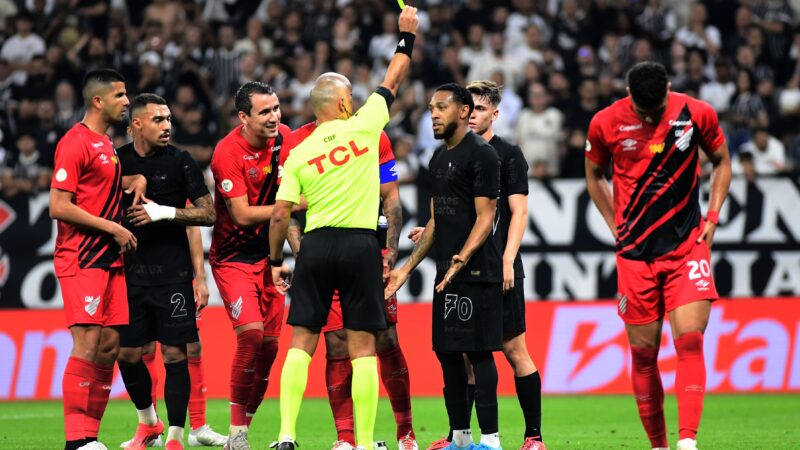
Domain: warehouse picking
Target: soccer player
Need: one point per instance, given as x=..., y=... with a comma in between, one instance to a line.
x=159, y=274
x=245, y=167
x=467, y=304
x=85, y=199
x=336, y=169
x=663, y=243
x=392, y=362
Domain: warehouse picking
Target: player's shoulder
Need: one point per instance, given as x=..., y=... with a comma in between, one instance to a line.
x=125, y=151
x=504, y=146
x=76, y=134
x=479, y=146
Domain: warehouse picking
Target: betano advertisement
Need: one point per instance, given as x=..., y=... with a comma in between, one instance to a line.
x=752, y=345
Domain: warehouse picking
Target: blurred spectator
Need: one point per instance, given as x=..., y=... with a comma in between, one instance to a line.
x=254, y=41
x=768, y=154
x=698, y=33
x=407, y=163
x=47, y=133
x=18, y=50
x=222, y=63
x=191, y=135
x=25, y=172
x=539, y=131
x=718, y=93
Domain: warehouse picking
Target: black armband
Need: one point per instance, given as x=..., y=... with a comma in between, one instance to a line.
x=276, y=262
x=386, y=94
x=406, y=43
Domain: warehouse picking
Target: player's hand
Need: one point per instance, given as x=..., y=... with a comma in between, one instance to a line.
x=389, y=259
x=397, y=279
x=707, y=234
x=508, y=276
x=148, y=212
x=456, y=264
x=137, y=187
x=124, y=238
x=416, y=234
x=200, y=292
x=282, y=278
x=408, y=21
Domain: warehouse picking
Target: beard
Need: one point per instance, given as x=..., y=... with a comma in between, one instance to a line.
x=448, y=131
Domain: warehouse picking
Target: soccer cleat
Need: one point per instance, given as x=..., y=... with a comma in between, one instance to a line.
x=439, y=445
x=342, y=445
x=174, y=445
x=532, y=444
x=205, y=436
x=453, y=446
x=285, y=444
x=687, y=444
x=157, y=442
x=483, y=446
x=407, y=443
x=237, y=442
x=145, y=434
x=660, y=448
x=94, y=445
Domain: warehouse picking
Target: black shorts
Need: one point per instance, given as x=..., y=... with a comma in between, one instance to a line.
x=468, y=317
x=346, y=260
x=160, y=313
x=514, y=310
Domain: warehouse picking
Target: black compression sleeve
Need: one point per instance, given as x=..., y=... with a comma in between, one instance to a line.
x=386, y=94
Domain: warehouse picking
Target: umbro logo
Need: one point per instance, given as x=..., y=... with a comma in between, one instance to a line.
x=92, y=303
x=236, y=308
x=702, y=285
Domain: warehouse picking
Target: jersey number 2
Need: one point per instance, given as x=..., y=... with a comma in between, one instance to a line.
x=180, y=305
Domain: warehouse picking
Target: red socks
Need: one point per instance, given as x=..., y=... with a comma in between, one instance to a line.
x=269, y=350
x=75, y=386
x=99, y=391
x=248, y=350
x=690, y=383
x=338, y=377
x=649, y=393
x=197, y=395
x=150, y=362
x=394, y=374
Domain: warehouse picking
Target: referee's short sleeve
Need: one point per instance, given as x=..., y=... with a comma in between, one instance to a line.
x=486, y=173
x=373, y=116
x=289, y=189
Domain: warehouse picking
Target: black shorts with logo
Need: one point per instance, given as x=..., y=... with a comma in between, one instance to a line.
x=347, y=260
x=160, y=313
x=514, y=310
x=468, y=317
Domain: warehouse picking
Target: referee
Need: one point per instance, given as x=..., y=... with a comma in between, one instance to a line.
x=336, y=169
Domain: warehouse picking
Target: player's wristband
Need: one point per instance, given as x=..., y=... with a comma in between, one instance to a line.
x=406, y=43
x=713, y=217
x=158, y=212
x=276, y=262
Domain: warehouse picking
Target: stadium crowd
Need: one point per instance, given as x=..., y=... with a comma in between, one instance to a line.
x=560, y=61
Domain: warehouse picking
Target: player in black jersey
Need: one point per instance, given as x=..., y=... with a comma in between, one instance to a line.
x=159, y=275
x=467, y=304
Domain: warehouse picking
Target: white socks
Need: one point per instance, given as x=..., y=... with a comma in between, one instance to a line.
x=462, y=438
x=491, y=440
x=148, y=415
x=175, y=434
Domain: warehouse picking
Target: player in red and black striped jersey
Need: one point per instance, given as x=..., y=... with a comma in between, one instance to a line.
x=652, y=138
x=85, y=196
x=245, y=167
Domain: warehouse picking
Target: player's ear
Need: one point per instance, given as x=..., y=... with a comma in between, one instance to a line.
x=495, y=114
x=242, y=117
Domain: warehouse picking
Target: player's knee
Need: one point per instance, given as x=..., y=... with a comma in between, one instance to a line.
x=172, y=354
x=335, y=345
x=129, y=355
x=194, y=349
x=149, y=348
x=107, y=355
x=387, y=340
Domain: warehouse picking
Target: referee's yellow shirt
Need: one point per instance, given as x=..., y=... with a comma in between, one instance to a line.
x=336, y=169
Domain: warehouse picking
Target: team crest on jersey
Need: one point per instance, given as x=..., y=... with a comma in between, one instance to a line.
x=236, y=308
x=104, y=158
x=656, y=148
x=252, y=173
x=92, y=303
x=623, y=303
x=226, y=185
x=61, y=175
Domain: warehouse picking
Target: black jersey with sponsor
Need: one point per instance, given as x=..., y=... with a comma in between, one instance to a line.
x=513, y=181
x=173, y=177
x=469, y=170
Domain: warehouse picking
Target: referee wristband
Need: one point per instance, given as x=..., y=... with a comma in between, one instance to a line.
x=713, y=217
x=276, y=262
x=406, y=43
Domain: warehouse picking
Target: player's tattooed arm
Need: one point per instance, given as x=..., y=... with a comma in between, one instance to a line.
x=720, y=183
x=393, y=211
x=202, y=214
x=295, y=235
x=600, y=193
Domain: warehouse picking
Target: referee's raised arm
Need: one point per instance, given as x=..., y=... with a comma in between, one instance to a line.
x=398, y=67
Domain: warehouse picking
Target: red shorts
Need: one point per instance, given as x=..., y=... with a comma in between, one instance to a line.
x=336, y=321
x=648, y=289
x=249, y=295
x=95, y=297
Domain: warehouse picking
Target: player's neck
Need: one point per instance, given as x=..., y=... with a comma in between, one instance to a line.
x=488, y=134
x=94, y=122
x=252, y=140
x=457, y=137
x=142, y=148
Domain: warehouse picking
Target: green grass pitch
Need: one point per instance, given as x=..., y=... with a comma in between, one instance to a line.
x=570, y=422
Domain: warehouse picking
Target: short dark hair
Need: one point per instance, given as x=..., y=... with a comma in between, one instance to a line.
x=99, y=77
x=488, y=89
x=460, y=94
x=243, y=102
x=142, y=100
x=647, y=82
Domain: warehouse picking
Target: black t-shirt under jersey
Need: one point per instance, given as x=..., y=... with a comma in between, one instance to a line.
x=470, y=169
x=513, y=180
x=162, y=255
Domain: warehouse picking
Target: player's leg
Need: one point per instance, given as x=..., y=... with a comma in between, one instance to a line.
x=486, y=398
x=78, y=376
x=272, y=307
x=201, y=434
x=395, y=377
x=361, y=347
x=176, y=389
x=646, y=380
x=338, y=379
x=149, y=358
x=454, y=375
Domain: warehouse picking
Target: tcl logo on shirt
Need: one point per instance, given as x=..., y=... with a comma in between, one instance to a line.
x=338, y=156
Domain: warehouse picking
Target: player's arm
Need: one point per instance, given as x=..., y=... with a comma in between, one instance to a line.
x=720, y=182
x=136, y=185
x=398, y=277
x=390, y=195
x=518, y=204
x=278, y=230
x=62, y=208
x=198, y=266
x=398, y=66
x=246, y=215
x=600, y=193
x=294, y=235
x=485, y=208
x=201, y=214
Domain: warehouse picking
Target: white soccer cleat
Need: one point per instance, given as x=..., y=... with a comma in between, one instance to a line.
x=660, y=448
x=94, y=445
x=687, y=444
x=342, y=445
x=407, y=443
x=206, y=437
x=157, y=442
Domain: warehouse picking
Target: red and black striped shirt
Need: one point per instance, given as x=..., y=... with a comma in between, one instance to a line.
x=656, y=171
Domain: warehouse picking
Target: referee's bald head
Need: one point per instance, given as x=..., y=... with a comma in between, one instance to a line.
x=332, y=97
